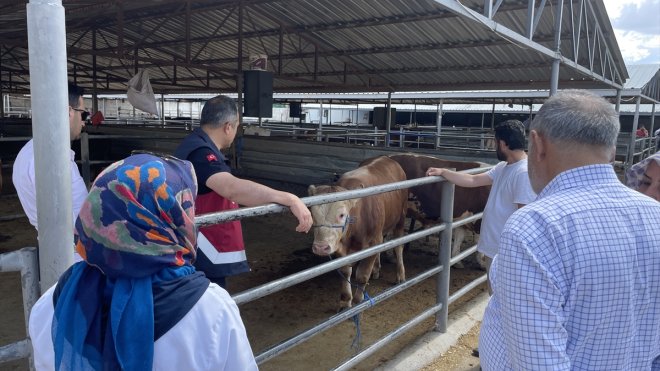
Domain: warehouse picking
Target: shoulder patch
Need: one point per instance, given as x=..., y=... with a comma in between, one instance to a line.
x=211, y=157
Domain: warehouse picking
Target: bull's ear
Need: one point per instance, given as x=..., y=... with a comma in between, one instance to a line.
x=311, y=190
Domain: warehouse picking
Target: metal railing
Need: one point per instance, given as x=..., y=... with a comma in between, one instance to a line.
x=25, y=261
x=440, y=271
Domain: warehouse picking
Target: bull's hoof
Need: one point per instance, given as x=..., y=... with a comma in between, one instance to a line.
x=343, y=305
x=400, y=280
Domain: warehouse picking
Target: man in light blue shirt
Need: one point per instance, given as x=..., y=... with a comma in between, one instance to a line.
x=577, y=278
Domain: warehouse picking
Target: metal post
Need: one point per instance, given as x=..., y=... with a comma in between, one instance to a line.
x=438, y=125
x=95, y=96
x=2, y=95
x=319, y=133
x=633, y=137
x=162, y=109
x=388, y=119
x=444, y=254
x=652, y=132
x=492, y=118
x=50, y=127
x=84, y=158
x=618, y=101
x=26, y=261
x=554, y=79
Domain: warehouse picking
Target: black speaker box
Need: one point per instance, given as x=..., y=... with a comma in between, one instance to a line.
x=257, y=93
x=379, y=117
x=295, y=109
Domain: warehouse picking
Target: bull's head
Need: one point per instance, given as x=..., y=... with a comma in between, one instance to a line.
x=330, y=221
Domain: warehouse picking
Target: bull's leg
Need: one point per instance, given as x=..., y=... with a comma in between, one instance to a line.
x=362, y=274
x=400, y=269
x=375, y=271
x=459, y=236
x=346, y=293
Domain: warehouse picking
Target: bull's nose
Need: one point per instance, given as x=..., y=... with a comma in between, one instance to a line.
x=321, y=249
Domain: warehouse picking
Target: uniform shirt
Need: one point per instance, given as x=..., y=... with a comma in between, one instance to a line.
x=221, y=251
x=211, y=336
x=577, y=280
x=24, y=181
x=510, y=187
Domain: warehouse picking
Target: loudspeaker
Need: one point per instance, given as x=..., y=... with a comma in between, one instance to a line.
x=295, y=109
x=258, y=93
x=379, y=118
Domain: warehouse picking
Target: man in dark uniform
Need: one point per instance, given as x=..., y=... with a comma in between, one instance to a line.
x=221, y=250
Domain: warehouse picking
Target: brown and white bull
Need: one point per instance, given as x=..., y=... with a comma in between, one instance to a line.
x=467, y=201
x=345, y=227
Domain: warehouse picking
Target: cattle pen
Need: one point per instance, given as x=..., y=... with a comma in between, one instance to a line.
x=441, y=271
x=437, y=272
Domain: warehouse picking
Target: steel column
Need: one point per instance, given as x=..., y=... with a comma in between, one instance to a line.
x=52, y=139
x=439, y=124
x=444, y=254
x=633, y=136
x=388, y=119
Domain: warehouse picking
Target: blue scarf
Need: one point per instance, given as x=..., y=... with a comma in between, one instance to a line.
x=137, y=236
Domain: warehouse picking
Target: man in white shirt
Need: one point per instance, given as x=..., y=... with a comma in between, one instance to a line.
x=23, y=175
x=510, y=185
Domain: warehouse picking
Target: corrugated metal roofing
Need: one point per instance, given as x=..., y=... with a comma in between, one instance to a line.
x=645, y=77
x=324, y=45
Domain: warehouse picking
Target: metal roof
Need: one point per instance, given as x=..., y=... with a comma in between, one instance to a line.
x=646, y=78
x=326, y=45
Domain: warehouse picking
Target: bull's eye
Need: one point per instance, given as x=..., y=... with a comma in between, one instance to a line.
x=341, y=216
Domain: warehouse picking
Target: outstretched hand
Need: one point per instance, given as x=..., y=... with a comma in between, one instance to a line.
x=434, y=171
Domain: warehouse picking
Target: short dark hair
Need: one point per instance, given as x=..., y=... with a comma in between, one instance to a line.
x=219, y=110
x=75, y=92
x=512, y=132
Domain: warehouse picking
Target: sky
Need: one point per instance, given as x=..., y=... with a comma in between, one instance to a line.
x=636, y=24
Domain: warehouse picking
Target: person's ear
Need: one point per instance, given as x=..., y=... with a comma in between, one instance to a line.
x=539, y=146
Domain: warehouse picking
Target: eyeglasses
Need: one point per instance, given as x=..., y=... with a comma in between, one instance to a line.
x=83, y=114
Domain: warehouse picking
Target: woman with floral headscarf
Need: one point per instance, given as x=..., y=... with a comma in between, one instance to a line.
x=136, y=302
x=644, y=176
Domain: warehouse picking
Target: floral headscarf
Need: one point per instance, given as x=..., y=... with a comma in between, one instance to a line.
x=635, y=174
x=137, y=236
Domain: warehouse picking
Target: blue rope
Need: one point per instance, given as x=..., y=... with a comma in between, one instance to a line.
x=358, y=334
x=356, y=318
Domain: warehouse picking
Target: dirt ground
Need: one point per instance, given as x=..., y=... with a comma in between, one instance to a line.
x=275, y=250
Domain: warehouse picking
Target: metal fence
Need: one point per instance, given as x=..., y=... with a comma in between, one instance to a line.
x=441, y=271
x=25, y=261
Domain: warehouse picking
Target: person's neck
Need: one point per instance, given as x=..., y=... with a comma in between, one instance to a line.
x=515, y=156
x=569, y=158
x=213, y=135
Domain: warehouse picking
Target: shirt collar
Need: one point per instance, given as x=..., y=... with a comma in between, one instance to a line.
x=206, y=138
x=580, y=176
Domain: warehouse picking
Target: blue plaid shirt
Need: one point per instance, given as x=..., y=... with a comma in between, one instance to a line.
x=577, y=280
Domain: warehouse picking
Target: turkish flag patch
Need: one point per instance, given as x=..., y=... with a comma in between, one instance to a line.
x=211, y=157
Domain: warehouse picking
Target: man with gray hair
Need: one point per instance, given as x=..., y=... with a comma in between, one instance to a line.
x=576, y=278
